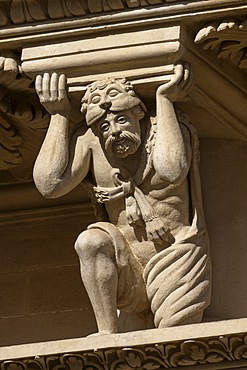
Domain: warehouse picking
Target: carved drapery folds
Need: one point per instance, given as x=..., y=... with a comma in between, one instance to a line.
x=223, y=351
x=28, y=11
x=228, y=39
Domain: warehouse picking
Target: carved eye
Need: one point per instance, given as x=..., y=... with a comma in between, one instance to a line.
x=113, y=92
x=122, y=119
x=104, y=126
x=95, y=99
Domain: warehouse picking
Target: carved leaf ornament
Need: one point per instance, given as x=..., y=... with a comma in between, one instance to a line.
x=228, y=39
x=223, y=350
x=28, y=11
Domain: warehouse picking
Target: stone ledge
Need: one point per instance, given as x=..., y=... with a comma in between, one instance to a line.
x=42, y=11
x=15, y=35
x=214, y=345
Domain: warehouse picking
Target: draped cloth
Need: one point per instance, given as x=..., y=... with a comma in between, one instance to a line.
x=178, y=279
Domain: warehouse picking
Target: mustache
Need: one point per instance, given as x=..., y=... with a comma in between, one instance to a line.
x=131, y=137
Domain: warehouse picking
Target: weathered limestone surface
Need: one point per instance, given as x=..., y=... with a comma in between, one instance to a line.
x=150, y=253
x=219, y=345
x=41, y=294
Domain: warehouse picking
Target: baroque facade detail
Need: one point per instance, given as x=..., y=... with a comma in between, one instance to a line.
x=228, y=39
x=221, y=350
x=128, y=151
x=139, y=107
x=28, y=11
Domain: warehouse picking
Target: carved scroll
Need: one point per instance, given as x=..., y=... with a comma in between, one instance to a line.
x=228, y=39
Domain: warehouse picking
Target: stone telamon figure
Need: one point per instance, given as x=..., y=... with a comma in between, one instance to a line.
x=152, y=254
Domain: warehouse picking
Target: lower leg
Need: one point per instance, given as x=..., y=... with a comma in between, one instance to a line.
x=99, y=275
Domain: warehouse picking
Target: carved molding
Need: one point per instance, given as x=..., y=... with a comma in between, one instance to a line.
x=29, y=11
x=220, y=112
x=21, y=12
x=220, y=351
x=228, y=39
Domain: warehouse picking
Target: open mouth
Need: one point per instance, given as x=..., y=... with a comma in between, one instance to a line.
x=121, y=146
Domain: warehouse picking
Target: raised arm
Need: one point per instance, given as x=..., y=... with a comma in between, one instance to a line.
x=61, y=165
x=172, y=151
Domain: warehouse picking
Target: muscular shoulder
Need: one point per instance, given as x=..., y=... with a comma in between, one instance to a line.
x=83, y=136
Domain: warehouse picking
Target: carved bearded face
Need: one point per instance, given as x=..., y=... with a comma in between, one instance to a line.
x=113, y=111
x=120, y=133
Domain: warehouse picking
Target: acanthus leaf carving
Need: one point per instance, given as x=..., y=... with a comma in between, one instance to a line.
x=228, y=39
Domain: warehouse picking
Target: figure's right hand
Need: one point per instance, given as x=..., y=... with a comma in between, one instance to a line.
x=51, y=90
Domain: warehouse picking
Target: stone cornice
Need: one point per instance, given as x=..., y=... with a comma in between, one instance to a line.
x=15, y=12
x=22, y=32
x=216, y=345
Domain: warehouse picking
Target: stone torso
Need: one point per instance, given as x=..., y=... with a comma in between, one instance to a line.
x=169, y=201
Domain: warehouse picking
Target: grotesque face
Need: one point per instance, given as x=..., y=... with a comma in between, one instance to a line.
x=106, y=97
x=110, y=94
x=120, y=133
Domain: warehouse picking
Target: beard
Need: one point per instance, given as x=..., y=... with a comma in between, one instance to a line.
x=124, y=145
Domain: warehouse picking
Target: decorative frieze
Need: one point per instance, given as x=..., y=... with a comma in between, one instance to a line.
x=221, y=351
x=21, y=12
x=28, y=11
x=228, y=39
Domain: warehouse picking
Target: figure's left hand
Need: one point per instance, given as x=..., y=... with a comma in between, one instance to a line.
x=156, y=231
x=177, y=89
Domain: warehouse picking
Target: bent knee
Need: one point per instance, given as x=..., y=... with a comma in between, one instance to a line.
x=90, y=242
